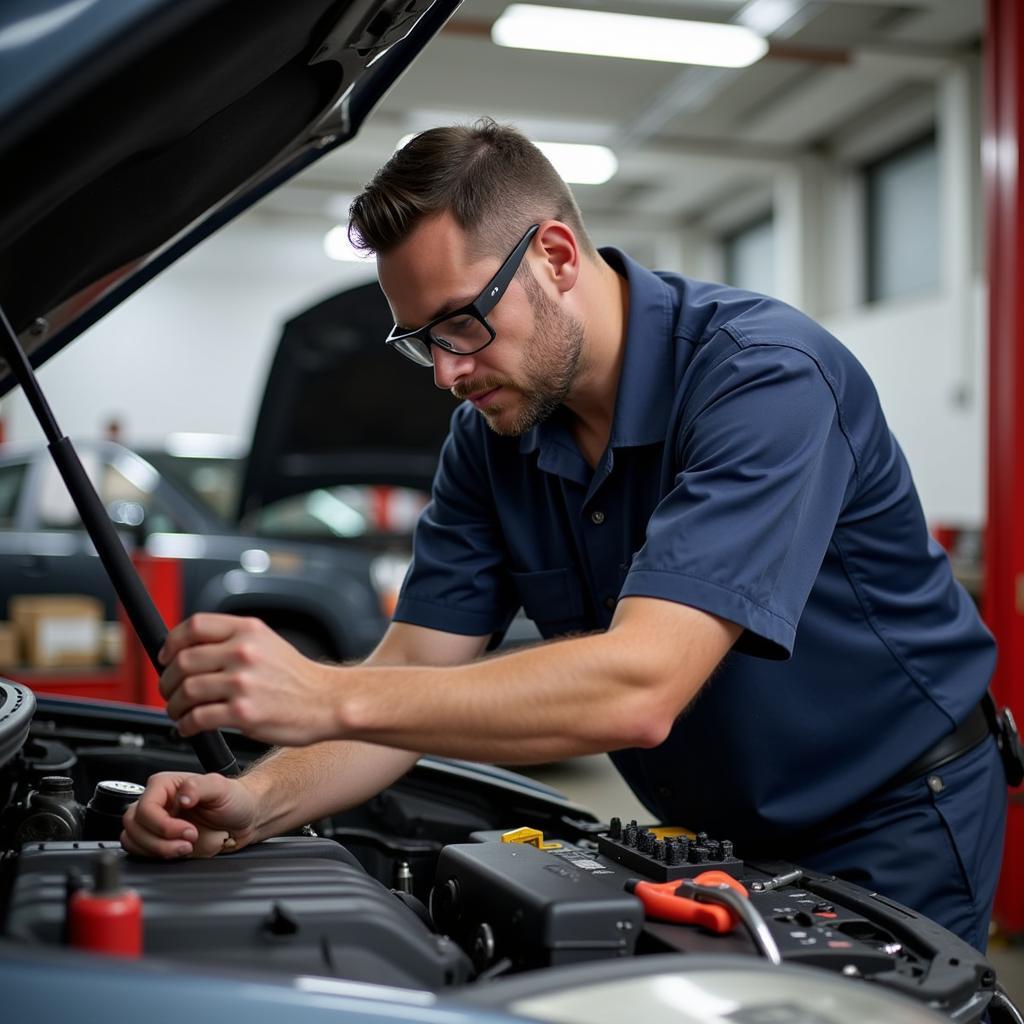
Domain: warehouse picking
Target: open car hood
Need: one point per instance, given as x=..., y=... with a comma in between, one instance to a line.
x=332, y=357
x=130, y=131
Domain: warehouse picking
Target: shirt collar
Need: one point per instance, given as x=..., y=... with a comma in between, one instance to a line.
x=647, y=383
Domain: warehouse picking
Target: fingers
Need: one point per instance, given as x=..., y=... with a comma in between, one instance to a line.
x=198, y=690
x=156, y=824
x=199, y=660
x=233, y=714
x=211, y=791
x=150, y=829
x=204, y=628
x=232, y=672
x=211, y=842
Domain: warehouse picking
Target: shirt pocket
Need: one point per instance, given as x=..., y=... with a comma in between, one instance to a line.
x=553, y=599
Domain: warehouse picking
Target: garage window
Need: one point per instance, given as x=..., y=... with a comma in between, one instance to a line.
x=902, y=229
x=750, y=256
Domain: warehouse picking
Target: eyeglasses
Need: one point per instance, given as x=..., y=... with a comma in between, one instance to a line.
x=464, y=330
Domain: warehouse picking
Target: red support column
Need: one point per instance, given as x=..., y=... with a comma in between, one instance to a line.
x=1004, y=535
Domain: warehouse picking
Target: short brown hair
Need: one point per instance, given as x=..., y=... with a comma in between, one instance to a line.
x=490, y=177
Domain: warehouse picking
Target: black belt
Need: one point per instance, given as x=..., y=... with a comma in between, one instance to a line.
x=966, y=736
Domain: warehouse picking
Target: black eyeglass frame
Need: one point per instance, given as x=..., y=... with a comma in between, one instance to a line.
x=488, y=298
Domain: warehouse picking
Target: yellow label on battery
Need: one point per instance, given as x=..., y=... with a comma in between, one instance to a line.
x=530, y=837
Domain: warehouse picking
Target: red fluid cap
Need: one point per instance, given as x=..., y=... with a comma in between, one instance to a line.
x=107, y=919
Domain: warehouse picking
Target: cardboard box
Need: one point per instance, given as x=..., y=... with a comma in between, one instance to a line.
x=58, y=630
x=10, y=649
x=112, y=643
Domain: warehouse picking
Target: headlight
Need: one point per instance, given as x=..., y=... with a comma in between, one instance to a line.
x=723, y=995
x=258, y=560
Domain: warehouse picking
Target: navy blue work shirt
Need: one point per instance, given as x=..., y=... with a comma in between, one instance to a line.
x=750, y=473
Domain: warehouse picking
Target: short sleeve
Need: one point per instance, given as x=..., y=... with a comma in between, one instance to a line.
x=762, y=469
x=458, y=581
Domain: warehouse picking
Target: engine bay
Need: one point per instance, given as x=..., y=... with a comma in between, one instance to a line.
x=457, y=878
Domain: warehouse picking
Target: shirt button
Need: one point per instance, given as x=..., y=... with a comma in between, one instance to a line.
x=609, y=603
x=597, y=517
x=665, y=792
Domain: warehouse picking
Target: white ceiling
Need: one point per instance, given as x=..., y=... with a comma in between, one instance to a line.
x=687, y=138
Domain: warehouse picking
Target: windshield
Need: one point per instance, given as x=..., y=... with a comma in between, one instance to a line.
x=344, y=512
x=212, y=481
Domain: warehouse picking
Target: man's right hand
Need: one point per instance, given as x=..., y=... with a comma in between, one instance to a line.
x=182, y=814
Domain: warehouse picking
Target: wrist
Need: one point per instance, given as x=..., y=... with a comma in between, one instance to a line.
x=259, y=790
x=347, y=703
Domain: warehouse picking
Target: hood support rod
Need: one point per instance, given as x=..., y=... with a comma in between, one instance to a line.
x=210, y=747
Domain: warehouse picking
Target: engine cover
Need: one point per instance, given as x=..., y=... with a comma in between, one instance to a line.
x=298, y=905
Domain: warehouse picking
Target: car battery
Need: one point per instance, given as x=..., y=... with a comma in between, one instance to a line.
x=533, y=908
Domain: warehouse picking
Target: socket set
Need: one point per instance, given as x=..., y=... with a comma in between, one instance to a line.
x=662, y=856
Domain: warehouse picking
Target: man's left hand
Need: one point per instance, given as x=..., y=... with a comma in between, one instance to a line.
x=223, y=670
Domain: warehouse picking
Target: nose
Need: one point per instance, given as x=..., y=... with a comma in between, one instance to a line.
x=450, y=367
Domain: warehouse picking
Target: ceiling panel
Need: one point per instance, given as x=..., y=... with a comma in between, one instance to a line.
x=472, y=74
x=684, y=136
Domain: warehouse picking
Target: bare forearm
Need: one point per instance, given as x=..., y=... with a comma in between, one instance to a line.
x=296, y=786
x=565, y=699
x=605, y=691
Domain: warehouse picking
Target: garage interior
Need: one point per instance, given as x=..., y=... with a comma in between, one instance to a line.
x=864, y=169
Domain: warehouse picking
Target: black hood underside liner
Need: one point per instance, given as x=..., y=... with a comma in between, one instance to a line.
x=125, y=193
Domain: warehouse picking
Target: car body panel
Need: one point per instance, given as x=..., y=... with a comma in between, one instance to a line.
x=96, y=989
x=326, y=588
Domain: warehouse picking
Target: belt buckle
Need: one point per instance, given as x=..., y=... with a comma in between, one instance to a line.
x=1010, y=750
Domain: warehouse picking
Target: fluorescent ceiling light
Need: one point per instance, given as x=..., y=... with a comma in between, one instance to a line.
x=581, y=165
x=338, y=247
x=565, y=30
x=576, y=163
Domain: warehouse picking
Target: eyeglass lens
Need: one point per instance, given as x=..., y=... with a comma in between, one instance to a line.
x=463, y=333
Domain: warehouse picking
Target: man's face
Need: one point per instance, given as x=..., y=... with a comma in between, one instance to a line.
x=530, y=367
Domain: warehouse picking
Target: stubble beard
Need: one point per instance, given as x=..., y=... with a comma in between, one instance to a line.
x=552, y=359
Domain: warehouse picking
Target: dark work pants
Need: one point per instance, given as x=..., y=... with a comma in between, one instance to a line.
x=935, y=846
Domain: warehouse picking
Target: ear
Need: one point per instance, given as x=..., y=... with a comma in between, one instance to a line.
x=561, y=251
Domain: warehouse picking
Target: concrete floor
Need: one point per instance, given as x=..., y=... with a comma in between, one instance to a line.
x=594, y=783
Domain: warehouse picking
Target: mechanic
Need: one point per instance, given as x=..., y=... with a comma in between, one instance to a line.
x=695, y=489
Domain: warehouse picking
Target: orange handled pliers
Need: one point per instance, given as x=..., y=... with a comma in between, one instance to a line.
x=668, y=901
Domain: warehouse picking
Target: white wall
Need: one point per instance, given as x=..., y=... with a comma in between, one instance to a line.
x=191, y=350
x=930, y=372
